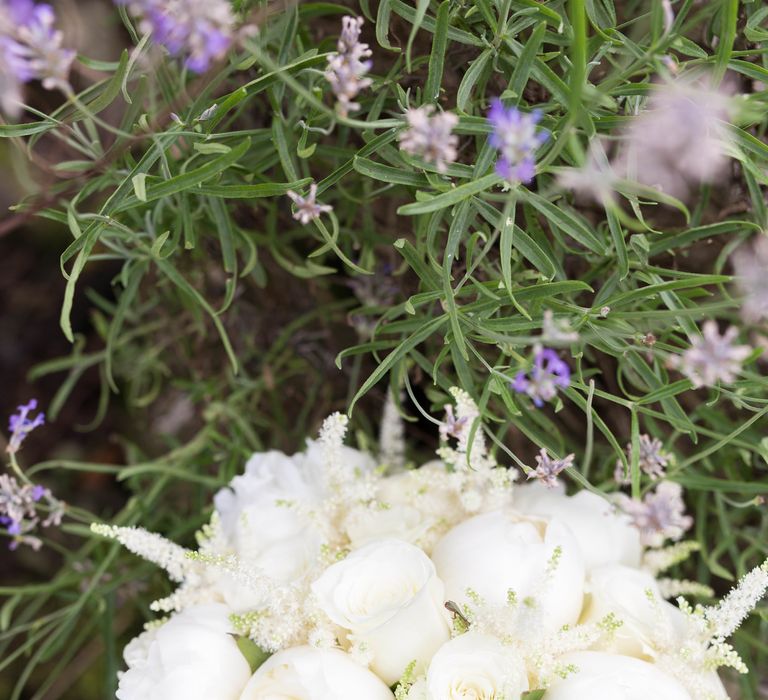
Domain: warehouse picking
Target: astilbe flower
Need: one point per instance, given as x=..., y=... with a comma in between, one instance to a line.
x=200, y=30
x=30, y=49
x=660, y=515
x=548, y=468
x=347, y=67
x=548, y=374
x=429, y=136
x=516, y=137
x=306, y=207
x=712, y=357
x=750, y=266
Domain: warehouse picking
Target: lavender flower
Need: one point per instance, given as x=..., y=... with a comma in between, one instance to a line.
x=347, y=67
x=660, y=515
x=547, y=468
x=548, y=373
x=712, y=357
x=751, y=268
x=18, y=510
x=200, y=30
x=306, y=207
x=30, y=49
x=429, y=136
x=515, y=135
x=652, y=459
x=452, y=426
x=20, y=425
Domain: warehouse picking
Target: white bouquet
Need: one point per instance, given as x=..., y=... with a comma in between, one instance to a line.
x=338, y=575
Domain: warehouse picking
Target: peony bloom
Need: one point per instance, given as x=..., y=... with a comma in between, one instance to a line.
x=605, y=535
x=623, y=591
x=601, y=676
x=498, y=552
x=193, y=656
x=475, y=665
x=308, y=673
x=387, y=594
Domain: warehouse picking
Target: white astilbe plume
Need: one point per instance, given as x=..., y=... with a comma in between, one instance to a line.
x=150, y=546
x=725, y=617
x=657, y=560
x=476, y=477
x=392, y=436
x=673, y=588
x=331, y=439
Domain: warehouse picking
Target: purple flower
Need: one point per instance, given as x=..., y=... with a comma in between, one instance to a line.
x=660, y=515
x=515, y=135
x=547, y=374
x=348, y=66
x=20, y=425
x=452, y=426
x=200, y=30
x=308, y=208
x=712, y=357
x=30, y=49
x=547, y=468
x=38, y=492
x=429, y=136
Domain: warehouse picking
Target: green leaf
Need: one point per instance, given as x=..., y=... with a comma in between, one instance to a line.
x=437, y=55
x=448, y=199
x=253, y=653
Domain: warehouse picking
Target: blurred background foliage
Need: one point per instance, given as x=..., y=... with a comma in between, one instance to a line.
x=172, y=316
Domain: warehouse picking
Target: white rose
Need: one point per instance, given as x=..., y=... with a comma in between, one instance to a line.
x=191, y=657
x=622, y=590
x=603, y=676
x=309, y=673
x=475, y=665
x=606, y=536
x=389, y=597
x=500, y=551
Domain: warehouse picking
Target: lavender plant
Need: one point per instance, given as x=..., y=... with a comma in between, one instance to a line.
x=558, y=207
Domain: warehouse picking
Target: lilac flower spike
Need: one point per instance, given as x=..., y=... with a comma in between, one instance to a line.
x=429, y=136
x=548, y=373
x=306, y=207
x=200, y=30
x=20, y=425
x=547, y=468
x=515, y=135
x=347, y=68
x=30, y=49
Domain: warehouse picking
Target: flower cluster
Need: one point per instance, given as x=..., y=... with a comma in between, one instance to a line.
x=712, y=357
x=429, y=136
x=200, y=30
x=307, y=208
x=442, y=581
x=19, y=511
x=30, y=49
x=516, y=137
x=652, y=459
x=548, y=374
x=348, y=66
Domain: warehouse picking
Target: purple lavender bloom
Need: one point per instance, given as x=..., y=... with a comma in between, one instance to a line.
x=547, y=374
x=14, y=527
x=38, y=492
x=200, y=30
x=20, y=425
x=515, y=135
x=547, y=468
x=347, y=67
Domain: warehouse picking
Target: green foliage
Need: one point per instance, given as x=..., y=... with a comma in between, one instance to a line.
x=220, y=295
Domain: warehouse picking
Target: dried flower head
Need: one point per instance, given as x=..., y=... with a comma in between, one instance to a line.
x=712, y=357
x=347, y=68
x=516, y=137
x=200, y=30
x=429, y=136
x=20, y=425
x=306, y=207
x=750, y=264
x=660, y=515
x=548, y=468
x=548, y=374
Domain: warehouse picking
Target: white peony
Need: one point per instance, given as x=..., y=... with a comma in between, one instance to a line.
x=605, y=535
x=601, y=676
x=309, y=673
x=265, y=513
x=623, y=591
x=475, y=665
x=389, y=598
x=500, y=551
x=191, y=657
x=379, y=520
